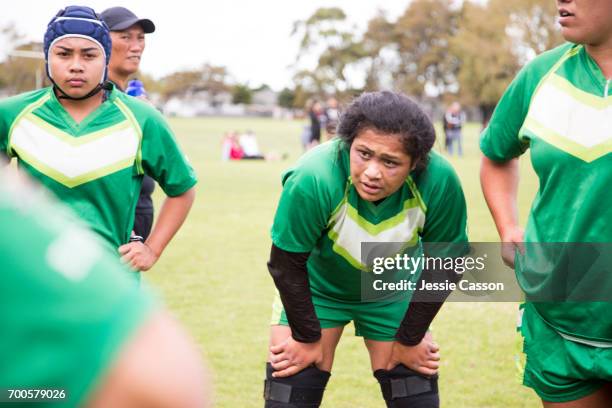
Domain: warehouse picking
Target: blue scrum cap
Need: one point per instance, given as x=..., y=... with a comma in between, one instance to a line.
x=78, y=21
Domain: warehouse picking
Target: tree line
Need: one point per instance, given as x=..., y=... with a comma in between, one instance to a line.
x=434, y=49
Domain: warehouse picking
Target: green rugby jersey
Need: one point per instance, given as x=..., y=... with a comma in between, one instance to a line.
x=66, y=305
x=321, y=212
x=559, y=106
x=96, y=166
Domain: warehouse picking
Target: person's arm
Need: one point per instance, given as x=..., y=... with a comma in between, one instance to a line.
x=413, y=347
x=424, y=306
x=499, y=181
x=288, y=269
x=303, y=347
x=159, y=367
x=444, y=234
x=163, y=160
x=300, y=220
x=171, y=217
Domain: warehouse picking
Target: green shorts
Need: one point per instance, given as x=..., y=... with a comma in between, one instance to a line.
x=373, y=320
x=560, y=370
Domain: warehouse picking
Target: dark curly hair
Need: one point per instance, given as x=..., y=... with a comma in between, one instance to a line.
x=390, y=113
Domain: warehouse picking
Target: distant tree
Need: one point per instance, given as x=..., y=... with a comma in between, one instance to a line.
x=301, y=97
x=150, y=84
x=214, y=79
x=211, y=78
x=380, y=52
x=494, y=40
x=327, y=38
x=487, y=61
x=242, y=94
x=262, y=87
x=179, y=82
x=532, y=25
x=286, y=98
x=321, y=26
x=423, y=35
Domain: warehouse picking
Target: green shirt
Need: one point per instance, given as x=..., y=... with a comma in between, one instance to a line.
x=321, y=212
x=560, y=107
x=66, y=306
x=96, y=166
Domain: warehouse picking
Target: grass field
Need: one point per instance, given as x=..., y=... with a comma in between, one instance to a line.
x=213, y=276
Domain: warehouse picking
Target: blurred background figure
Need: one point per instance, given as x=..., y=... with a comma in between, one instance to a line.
x=231, y=149
x=245, y=147
x=306, y=132
x=250, y=147
x=305, y=137
x=454, y=118
x=315, y=115
x=332, y=116
x=226, y=146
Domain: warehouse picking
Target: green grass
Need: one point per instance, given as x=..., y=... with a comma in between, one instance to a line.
x=213, y=276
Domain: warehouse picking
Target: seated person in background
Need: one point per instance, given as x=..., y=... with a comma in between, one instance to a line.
x=250, y=148
x=245, y=148
x=231, y=149
x=226, y=145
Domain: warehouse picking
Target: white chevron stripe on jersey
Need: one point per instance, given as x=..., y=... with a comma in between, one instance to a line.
x=569, y=116
x=348, y=235
x=72, y=164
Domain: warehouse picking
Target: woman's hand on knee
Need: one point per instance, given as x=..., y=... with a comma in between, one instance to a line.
x=290, y=357
x=423, y=358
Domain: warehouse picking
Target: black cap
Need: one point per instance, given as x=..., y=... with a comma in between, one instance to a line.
x=120, y=18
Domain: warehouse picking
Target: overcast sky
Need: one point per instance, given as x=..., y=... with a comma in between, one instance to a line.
x=251, y=38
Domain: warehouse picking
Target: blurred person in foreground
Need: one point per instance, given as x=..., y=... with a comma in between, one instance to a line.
x=559, y=106
x=73, y=323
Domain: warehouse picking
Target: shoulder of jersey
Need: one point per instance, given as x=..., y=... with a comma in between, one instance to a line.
x=439, y=171
x=321, y=160
x=548, y=58
x=139, y=105
x=23, y=98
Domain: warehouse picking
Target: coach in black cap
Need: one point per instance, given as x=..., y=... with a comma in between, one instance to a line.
x=120, y=18
x=128, y=36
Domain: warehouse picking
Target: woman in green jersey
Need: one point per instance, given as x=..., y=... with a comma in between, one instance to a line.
x=560, y=107
x=91, y=144
x=379, y=182
x=76, y=331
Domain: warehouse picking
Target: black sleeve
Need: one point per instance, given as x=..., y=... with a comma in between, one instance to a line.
x=424, y=306
x=288, y=269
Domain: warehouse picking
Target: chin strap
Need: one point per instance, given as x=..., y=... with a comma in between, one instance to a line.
x=107, y=86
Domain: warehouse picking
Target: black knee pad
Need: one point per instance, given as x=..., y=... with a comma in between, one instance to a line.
x=405, y=388
x=302, y=390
